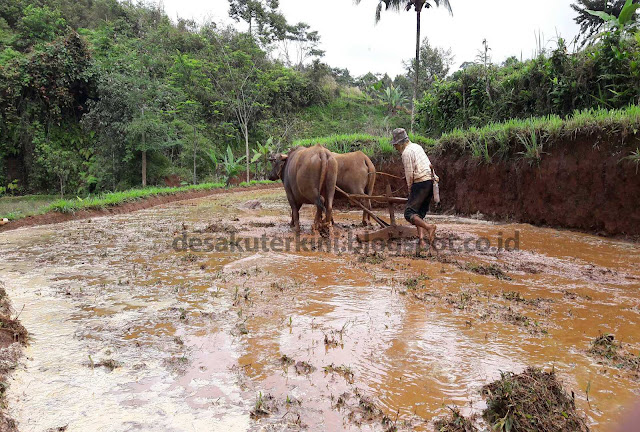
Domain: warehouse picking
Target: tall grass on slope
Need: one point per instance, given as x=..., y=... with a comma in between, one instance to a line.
x=528, y=137
x=368, y=144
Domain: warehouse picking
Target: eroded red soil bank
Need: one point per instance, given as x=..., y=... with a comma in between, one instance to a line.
x=584, y=183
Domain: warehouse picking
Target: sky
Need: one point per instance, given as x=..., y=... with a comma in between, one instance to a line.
x=351, y=38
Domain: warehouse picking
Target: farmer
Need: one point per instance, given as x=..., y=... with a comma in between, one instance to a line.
x=418, y=172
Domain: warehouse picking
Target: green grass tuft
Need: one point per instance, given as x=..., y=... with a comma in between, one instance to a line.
x=111, y=199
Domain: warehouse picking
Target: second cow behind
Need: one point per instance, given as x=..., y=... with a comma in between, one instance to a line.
x=356, y=175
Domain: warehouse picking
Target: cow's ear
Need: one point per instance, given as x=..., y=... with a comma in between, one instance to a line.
x=283, y=157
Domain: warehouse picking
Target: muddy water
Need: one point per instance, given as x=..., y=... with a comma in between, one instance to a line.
x=131, y=334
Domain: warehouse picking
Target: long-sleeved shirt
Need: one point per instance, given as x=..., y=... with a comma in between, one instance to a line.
x=417, y=166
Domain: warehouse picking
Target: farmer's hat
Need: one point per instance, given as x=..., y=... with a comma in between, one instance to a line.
x=399, y=136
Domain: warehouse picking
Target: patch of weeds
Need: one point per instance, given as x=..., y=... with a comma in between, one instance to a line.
x=286, y=360
x=110, y=364
x=374, y=258
x=574, y=295
x=291, y=400
x=516, y=318
x=411, y=283
x=13, y=330
x=263, y=407
x=217, y=227
x=189, y=257
x=464, y=299
x=242, y=328
x=455, y=422
x=607, y=349
x=513, y=296
x=366, y=411
x=533, y=401
x=342, y=400
x=487, y=270
x=345, y=371
x=177, y=364
x=425, y=296
x=262, y=224
x=330, y=341
x=279, y=286
x=304, y=368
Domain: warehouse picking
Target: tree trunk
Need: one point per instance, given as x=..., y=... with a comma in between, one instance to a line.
x=417, y=64
x=144, y=156
x=144, y=168
x=195, y=149
x=246, y=143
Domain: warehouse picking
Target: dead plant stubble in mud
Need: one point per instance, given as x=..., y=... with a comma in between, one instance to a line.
x=533, y=401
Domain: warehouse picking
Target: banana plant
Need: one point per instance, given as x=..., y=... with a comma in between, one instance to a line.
x=215, y=161
x=232, y=166
x=393, y=98
x=622, y=22
x=262, y=152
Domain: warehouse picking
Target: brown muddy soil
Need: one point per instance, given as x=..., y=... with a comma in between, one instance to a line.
x=127, y=207
x=210, y=314
x=583, y=183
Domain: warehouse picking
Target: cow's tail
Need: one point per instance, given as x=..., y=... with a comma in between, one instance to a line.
x=323, y=176
x=371, y=177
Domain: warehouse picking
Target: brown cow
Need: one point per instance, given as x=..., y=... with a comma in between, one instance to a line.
x=309, y=177
x=356, y=175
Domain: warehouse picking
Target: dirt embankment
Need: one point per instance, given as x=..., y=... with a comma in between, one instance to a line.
x=12, y=337
x=583, y=183
x=127, y=207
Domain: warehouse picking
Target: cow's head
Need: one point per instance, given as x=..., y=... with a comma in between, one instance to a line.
x=278, y=161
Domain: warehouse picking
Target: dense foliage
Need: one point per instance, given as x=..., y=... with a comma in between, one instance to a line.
x=604, y=74
x=93, y=93
x=99, y=95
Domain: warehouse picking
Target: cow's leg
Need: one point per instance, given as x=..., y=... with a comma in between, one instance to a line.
x=330, y=191
x=295, y=212
x=366, y=218
x=317, y=221
x=295, y=217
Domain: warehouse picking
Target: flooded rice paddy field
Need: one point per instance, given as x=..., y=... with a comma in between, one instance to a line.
x=133, y=330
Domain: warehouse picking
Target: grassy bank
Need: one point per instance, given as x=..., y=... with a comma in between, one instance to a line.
x=369, y=144
x=23, y=208
x=16, y=207
x=527, y=138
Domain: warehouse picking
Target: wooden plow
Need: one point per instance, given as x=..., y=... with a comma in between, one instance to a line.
x=388, y=230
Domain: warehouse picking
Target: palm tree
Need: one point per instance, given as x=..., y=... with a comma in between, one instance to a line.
x=418, y=5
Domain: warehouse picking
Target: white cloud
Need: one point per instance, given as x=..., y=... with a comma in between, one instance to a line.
x=352, y=40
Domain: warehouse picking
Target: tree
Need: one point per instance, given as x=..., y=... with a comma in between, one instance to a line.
x=262, y=13
x=241, y=83
x=300, y=44
x=435, y=63
x=589, y=23
x=39, y=24
x=417, y=5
